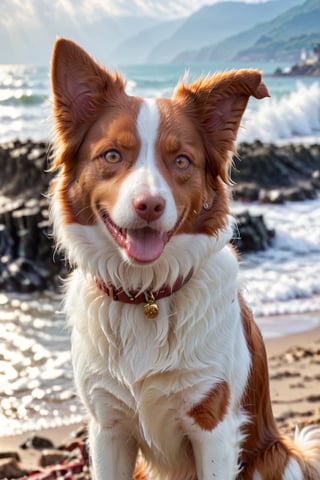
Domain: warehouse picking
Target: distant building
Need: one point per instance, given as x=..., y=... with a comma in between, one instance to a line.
x=304, y=55
x=316, y=52
x=310, y=57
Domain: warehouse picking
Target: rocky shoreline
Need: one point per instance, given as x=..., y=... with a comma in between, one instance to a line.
x=68, y=460
x=311, y=69
x=266, y=173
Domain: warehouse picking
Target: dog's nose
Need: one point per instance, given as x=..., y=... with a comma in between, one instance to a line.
x=149, y=207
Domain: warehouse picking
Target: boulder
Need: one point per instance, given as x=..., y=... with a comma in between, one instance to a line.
x=37, y=442
x=251, y=233
x=275, y=174
x=10, y=468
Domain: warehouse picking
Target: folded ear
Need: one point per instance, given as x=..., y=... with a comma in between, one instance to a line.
x=217, y=103
x=80, y=86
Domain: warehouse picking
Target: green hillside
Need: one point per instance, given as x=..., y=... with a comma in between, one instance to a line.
x=280, y=39
x=288, y=34
x=268, y=49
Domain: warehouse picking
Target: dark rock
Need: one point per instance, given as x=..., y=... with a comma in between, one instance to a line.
x=246, y=192
x=267, y=168
x=272, y=196
x=26, y=244
x=10, y=468
x=23, y=167
x=300, y=192
x=38, y=443
x=309, y=69
x=260, y=165
x=251, y=233
x=315, y=179
x=53, y=457
x=14, y=455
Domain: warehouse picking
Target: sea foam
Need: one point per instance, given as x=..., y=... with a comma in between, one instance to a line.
x=293, y=117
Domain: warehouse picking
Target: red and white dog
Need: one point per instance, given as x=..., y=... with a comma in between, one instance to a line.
x=167, y=357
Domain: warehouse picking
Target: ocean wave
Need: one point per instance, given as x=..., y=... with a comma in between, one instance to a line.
x=290, y=117
x=284, y=279
x=24, y=99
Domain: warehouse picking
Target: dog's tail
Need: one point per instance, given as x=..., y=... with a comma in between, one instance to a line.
x=140, y=472
x=307, y=442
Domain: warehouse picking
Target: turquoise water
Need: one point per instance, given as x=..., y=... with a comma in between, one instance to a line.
x=25, y=98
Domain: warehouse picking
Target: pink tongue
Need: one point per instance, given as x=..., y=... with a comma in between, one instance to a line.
x=144, y=244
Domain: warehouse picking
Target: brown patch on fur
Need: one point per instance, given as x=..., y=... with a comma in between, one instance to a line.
x=211, y=410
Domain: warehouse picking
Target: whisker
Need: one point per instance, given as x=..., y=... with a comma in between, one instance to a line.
x=82, y=210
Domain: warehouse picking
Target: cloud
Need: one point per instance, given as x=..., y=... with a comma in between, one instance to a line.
x=12, y=13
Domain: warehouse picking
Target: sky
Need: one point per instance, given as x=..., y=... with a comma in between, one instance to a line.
x=152, y=7
x=28, y=28
x=14, y=10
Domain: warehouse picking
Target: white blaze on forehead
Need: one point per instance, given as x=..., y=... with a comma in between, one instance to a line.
x=145, y=176
x=148, y=128
x=148, y=124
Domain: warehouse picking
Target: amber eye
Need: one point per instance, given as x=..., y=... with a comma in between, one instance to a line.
x=182, y=162
x=112, y=156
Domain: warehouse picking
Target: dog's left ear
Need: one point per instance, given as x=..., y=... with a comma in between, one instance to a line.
x=217, y=104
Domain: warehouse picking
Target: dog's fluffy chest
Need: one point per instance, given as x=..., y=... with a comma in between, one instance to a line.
x=195, y=326
x=198, y=334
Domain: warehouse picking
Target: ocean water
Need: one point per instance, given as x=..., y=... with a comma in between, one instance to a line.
x=281, y=284
x=291, y=114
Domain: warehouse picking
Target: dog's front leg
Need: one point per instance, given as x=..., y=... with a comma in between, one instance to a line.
x=113, y=453
x=216, y=451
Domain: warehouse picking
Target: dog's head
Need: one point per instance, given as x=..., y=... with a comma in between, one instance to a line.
x=143, y=172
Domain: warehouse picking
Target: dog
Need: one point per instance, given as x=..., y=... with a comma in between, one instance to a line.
x=167, y=357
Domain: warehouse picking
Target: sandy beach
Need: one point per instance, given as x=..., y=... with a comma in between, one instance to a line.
x=294, y=365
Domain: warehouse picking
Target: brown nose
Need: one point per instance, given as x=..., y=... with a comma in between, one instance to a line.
x=149, y=207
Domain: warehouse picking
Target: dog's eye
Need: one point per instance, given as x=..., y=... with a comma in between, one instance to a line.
x=112, y=156
x=182, y=162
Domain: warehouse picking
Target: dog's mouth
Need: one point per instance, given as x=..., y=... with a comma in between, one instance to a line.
x=143, y=245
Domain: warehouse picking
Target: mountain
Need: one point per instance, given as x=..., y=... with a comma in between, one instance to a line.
x=287, y=35
x=135, y=50
x=213, y=23
x=227, y=49
x=223, y=51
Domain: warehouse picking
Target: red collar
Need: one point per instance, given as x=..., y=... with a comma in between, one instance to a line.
x=135, y=297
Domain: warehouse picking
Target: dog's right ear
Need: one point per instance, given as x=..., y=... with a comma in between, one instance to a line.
x=81, y=87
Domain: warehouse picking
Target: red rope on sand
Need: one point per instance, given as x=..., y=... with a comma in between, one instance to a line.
x=66, y=470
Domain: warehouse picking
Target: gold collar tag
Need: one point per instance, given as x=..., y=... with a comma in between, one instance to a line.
x=151, y=308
